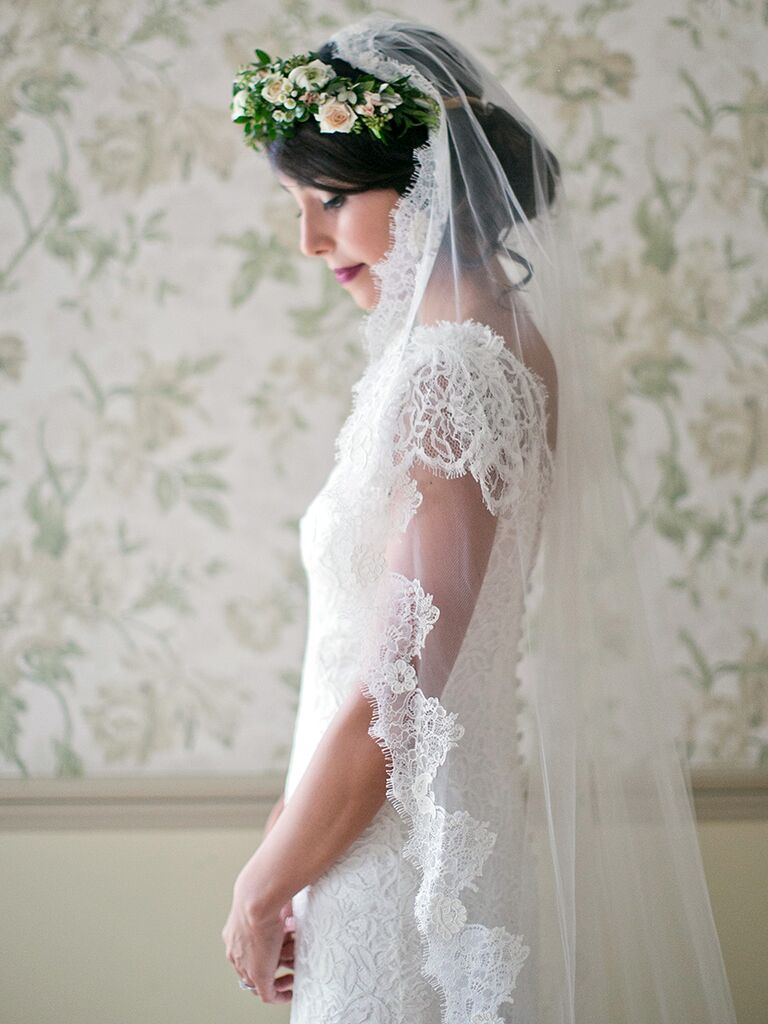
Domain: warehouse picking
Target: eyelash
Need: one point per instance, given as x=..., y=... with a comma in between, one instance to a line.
x=336, y=199
x=327, y=205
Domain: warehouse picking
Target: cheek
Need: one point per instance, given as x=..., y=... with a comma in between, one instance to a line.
x=373, y=229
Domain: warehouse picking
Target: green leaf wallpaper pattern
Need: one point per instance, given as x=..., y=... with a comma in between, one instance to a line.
x=173, y=372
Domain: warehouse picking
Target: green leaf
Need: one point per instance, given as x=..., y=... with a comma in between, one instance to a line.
x=68, y=762
x=674, y=483
x=707, y=118
x=209, y=509
x=245, y=282
x=45, y=663
x=672, y=524
x=759, y=508
x=205, y=455
x=653, y=375
x=9, y=138
x=205, y=481
x=757, y=310
x=65, y=201
x=48, y=515
x=45, y=93
x=166, y=489
x=660, y=250
x=11, y=707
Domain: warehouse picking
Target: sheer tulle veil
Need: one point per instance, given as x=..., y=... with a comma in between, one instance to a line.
x=561, y=878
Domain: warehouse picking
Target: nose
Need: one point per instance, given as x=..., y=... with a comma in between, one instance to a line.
x=315, y=239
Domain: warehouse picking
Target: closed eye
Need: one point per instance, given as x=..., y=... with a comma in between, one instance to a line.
x=335, y=203
x=331, y=204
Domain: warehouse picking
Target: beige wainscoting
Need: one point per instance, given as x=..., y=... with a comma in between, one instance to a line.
x=115, y=893
x=245, y=801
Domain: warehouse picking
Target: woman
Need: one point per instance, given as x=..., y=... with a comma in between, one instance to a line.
x=485, y=819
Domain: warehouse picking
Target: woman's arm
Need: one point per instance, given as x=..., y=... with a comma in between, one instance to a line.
x=341, y=790
x=275, y=813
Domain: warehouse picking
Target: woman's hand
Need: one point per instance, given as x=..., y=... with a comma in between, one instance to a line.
x=251, y=935
x=258, y=942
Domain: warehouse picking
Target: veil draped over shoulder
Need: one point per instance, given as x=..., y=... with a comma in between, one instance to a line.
x=490, y=601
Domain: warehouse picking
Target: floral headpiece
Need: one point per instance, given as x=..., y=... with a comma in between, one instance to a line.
x=270, y=97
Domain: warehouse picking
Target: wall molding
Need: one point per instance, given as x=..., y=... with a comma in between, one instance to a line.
x=719, y=794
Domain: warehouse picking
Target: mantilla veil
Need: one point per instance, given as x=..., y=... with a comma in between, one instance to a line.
x=488, y=602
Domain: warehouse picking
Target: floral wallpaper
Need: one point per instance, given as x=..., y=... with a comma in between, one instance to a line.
x=173, y=372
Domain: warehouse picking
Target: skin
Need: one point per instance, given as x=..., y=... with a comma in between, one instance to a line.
x=345, y=230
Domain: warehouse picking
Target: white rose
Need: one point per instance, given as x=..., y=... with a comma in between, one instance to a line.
x=275, y=89
x=238, y=104
x=312, y=75
x=335, y=117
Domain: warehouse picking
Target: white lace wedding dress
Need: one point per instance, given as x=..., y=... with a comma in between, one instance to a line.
x=447, y=430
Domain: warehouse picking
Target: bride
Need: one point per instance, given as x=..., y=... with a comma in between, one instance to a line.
x=485, y=819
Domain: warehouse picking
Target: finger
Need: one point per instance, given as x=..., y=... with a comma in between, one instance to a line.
x=282, y=997
x=267, y=990
x=284, y=983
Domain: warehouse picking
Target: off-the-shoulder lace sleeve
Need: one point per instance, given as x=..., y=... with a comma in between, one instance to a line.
x=443, y=450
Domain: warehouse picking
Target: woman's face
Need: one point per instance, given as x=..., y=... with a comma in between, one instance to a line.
x=350, y=232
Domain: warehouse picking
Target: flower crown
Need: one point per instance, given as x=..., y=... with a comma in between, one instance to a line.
x=270, y=97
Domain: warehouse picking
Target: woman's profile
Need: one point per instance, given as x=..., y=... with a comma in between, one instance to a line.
x=484, y=819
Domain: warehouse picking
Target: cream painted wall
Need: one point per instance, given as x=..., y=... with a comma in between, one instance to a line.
x=122, y=927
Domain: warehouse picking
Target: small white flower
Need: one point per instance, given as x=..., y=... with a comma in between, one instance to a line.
x=401, y=676
x=316, y=74
x=238, y=104
x=275, y=89
x=289, y=103
x=346, y=96
x=335, y=117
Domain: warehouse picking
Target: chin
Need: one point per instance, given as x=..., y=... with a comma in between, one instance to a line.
x=365, y=299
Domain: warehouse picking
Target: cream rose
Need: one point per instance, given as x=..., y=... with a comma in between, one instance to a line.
x=311, y=76
x=276, y=89
x=335, y=117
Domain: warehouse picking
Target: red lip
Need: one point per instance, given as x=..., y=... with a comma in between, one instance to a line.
x=344, y=274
